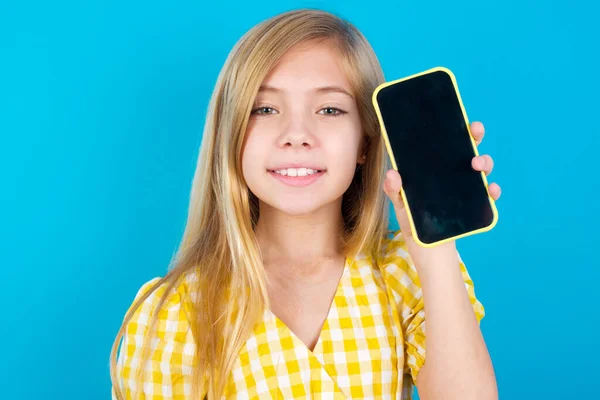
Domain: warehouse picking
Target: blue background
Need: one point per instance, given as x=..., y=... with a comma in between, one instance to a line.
x=101, y=111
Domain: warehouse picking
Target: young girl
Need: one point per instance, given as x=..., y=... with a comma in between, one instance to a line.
x=286, y=283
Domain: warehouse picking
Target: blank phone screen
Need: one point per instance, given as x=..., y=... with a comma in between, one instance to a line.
x=431, y=145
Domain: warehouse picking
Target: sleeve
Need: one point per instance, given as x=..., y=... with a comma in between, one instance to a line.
x=166, y=351
x=406, y=288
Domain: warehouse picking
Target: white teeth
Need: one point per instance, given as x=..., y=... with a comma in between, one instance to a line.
x=296, y=171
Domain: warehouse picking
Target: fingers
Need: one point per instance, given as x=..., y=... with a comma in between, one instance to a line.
x=495, y=191
x=392, y=186
x=477, y=131
x=483, y=163
x=393, y=182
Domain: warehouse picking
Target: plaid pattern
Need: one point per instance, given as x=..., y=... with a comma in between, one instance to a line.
x=372, y=344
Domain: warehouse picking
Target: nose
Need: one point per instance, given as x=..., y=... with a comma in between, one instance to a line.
x=297, y=133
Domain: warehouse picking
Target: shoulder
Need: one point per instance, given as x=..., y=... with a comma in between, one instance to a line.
x=397, y=267
x=394, y=257
x=389, y=258
x=167, y=302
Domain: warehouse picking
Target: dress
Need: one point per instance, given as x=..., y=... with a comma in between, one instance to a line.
x=372, y=343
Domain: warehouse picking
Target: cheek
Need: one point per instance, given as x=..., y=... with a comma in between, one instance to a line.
x=344, y=152
x=253, y=156
x=345, y=164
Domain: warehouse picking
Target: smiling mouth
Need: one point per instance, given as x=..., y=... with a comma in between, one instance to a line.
x=296, y=172
x=292, y=177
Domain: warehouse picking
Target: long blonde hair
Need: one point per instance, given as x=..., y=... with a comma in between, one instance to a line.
x=218, y=245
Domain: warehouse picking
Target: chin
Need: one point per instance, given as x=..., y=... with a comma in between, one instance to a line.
x=296, y=207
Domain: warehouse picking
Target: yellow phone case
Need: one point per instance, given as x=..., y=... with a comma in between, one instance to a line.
x=393, y=159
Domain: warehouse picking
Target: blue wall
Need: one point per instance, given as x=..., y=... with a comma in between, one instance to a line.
x=101, y=111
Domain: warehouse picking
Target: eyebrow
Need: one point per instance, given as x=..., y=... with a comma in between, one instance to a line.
x=321, y=89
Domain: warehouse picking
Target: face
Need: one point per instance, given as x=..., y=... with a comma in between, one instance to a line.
x=304, y=134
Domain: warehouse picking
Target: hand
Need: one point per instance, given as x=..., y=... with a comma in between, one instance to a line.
x=392, y=186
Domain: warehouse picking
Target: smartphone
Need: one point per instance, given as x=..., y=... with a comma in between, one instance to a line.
x=428, y=138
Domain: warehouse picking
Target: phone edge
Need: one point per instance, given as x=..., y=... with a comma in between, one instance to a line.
x=394, y=165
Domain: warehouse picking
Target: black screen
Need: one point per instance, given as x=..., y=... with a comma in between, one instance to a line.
x=430, y=142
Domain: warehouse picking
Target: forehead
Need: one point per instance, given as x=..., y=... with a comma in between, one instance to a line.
x=309, y=65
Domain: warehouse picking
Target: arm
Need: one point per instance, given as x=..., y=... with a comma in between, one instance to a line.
x=458, y=365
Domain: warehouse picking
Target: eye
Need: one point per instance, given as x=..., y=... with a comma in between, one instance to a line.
x=331, y=111
x=264, y=110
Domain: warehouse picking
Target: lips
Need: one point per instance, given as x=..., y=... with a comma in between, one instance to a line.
x=297, y=181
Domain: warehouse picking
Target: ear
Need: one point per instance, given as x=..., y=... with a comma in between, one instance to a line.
x=362, y=150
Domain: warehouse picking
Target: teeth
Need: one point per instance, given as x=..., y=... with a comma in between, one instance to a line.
x=296, y=171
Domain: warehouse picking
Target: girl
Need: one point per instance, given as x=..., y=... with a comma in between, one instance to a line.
x=286, y=284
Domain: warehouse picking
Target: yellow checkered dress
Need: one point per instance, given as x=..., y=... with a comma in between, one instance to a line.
x=372, y=344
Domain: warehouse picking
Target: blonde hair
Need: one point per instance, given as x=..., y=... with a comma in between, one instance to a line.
x=218, y=245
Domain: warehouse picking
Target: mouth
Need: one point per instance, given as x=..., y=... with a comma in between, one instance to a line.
x=297, y=177
x=300, y=171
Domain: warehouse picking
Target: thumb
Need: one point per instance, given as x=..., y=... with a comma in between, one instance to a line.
x=392, y=186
